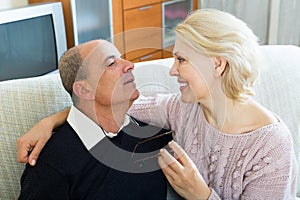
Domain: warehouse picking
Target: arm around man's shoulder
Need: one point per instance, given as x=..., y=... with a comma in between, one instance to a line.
x=48, y=178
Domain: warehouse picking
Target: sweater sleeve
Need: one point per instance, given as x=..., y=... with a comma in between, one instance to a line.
x=273, y=173
x=155, y=110
x=43, y=182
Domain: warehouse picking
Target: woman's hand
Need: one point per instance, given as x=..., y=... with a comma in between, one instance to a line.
x=32, y=142
x=182, y=173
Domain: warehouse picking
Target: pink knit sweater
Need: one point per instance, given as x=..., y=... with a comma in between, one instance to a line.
x=257, y=165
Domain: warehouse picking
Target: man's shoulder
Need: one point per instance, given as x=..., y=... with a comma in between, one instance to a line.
x=64, y=136
x=64, y=146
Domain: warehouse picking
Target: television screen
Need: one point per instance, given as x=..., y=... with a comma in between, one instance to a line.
x=32, y=40
x=27, y=48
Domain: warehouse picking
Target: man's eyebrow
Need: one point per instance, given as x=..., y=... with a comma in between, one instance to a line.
x=109, y=57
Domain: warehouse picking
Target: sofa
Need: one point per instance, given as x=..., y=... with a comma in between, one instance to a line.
x=26, y=101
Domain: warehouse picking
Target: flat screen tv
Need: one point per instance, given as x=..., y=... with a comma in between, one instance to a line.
x=32, y=39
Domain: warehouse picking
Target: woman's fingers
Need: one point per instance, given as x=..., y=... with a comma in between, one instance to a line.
x=179, y=154
x=23, y=149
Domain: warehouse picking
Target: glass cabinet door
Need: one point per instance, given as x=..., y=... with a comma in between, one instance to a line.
x=91, y=20
x=173, y=12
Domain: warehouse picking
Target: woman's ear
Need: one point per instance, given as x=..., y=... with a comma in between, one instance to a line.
x=220, y=64
x=83, y=90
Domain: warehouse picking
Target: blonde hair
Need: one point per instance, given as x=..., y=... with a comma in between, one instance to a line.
x=216, y=33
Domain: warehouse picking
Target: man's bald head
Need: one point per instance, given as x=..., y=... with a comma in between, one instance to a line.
x=71, y=65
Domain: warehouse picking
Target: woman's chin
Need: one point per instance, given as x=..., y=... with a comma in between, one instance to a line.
x=187, y=97
x=134, y=95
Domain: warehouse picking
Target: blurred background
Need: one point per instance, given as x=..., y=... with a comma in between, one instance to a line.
x=127, y=22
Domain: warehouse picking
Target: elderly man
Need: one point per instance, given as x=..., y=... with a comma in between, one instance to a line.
x=98, y=153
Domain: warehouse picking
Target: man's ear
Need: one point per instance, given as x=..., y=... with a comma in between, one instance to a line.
x=219, y=65
x=83, y=90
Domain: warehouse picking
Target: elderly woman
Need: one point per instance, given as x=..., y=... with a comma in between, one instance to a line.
x=226, y=145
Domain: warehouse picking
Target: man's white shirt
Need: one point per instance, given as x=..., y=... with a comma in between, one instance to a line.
x=88, y=131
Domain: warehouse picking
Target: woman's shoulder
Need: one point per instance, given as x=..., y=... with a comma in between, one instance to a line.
x=274, y=137
x=252, y=116
x=264, y=116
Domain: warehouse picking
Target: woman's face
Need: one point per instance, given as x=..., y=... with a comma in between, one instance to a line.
x=194, y=72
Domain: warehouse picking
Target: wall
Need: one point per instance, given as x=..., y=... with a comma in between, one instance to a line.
x=12, y=3
x=274, y=21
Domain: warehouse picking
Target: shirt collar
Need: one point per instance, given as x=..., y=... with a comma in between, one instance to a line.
x=88, y=131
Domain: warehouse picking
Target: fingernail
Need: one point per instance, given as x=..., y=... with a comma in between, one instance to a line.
x=33, y=162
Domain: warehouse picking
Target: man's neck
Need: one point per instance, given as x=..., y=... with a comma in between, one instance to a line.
x=110, y=119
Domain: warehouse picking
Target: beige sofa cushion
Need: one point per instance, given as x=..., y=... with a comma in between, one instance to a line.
x=279, y=89
x=23, y=103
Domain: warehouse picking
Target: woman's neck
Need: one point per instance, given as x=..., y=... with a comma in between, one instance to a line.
x=225, y=114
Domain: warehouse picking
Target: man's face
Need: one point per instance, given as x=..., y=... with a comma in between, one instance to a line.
x=110, y=76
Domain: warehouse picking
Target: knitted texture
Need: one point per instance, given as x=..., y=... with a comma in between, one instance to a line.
x=24, y=102
x=257, y=165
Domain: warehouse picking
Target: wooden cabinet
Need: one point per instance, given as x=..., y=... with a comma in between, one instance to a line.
x=139, y=22
x=168, y=52
x=127, y=4
x=142, y=31
x=137, y=27
x=151, y=56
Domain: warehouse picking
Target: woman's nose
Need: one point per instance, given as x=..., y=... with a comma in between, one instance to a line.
x=174, y=70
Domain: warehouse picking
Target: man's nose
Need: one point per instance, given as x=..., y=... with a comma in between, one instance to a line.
x=127, y=65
